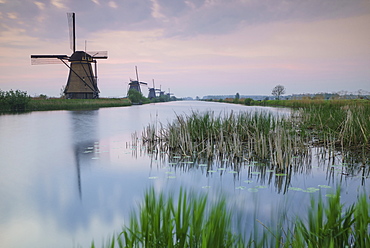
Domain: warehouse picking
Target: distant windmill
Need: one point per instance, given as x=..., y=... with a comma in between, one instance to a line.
x=169, y=94
x=152, y=91
x=161, y=93
x=135, y=84
x=82, y=81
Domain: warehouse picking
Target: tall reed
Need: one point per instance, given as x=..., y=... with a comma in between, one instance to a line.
x=347, y=127
x=194, y=221
x=328, y=223
x=243, y=135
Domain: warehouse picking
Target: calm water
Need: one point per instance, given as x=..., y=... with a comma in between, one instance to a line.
x=70, y=177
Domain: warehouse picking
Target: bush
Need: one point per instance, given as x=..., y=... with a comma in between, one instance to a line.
x=136, y=96
x=248, y=101
x=14, y=100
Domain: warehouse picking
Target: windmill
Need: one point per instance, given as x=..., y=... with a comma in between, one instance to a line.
x=161, y=93
x=82, y=79
x=135, y=84
x=169, y=94
x=152, y=91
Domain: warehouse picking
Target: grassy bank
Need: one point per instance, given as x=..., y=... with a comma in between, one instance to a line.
x=74, y=104
x=338, y=124
x=194, y=221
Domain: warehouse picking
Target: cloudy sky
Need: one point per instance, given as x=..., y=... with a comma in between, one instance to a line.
x=192, y=47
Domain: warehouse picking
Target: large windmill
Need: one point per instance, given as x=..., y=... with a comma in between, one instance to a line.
x=82, y=79
x=135, y=84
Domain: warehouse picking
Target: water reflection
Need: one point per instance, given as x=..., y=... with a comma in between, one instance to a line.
x=315, y=161
x=84, y=136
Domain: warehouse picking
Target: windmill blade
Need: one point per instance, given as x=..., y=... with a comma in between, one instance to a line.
x=72, y=31
x=143, y=83
x=47, y=59
x=98, y=54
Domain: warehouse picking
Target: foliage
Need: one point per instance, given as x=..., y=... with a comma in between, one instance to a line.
x=160, y=222
x=14, y=101
x=70, y=104
x=195, y=222
x=339, y=123
x=327, y=226
x=278, y=90
x=248, y=101
x=136, y=96
x=42, y=96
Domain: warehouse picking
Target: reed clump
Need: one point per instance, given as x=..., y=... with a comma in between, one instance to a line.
x=194, y=221
x=344, y=126
x=331, y=224
x=242, y=135
x=263, y=136
x=191, y=222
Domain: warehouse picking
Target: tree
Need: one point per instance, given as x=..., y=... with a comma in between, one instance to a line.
x=248, y=101
x=135, y=96
x=278, y=91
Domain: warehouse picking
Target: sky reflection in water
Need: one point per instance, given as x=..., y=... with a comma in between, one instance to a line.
x=68, y=177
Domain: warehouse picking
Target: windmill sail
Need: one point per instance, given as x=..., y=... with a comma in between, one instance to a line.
x=98, y=54
x=47, y=59
x=72, y=31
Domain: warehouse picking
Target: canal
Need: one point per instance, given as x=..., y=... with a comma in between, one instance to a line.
x=70, y=177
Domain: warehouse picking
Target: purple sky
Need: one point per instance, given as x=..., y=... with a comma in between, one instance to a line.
x=192, y=47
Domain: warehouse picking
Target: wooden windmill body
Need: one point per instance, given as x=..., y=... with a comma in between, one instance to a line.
x=135, y=84
x=152, y=92
x=82, y=79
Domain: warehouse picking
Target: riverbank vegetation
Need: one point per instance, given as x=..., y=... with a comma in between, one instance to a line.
x=195, y=221
x=261, y=141
x=20, y=101
x=37, y=104
x=14, y=100
x=340, y=123
x=261, y=136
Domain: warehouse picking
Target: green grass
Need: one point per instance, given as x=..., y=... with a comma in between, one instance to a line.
x=74, y=104
x=194, y=221
x=345, y=126
x=190, y=222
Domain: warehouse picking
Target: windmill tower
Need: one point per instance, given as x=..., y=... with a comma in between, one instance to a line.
x=152, y=91
x=169, y=94
x=135, y=84
x=161, y=93
x=82, y=79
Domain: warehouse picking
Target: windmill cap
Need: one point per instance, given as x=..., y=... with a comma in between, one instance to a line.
x=80, y=56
